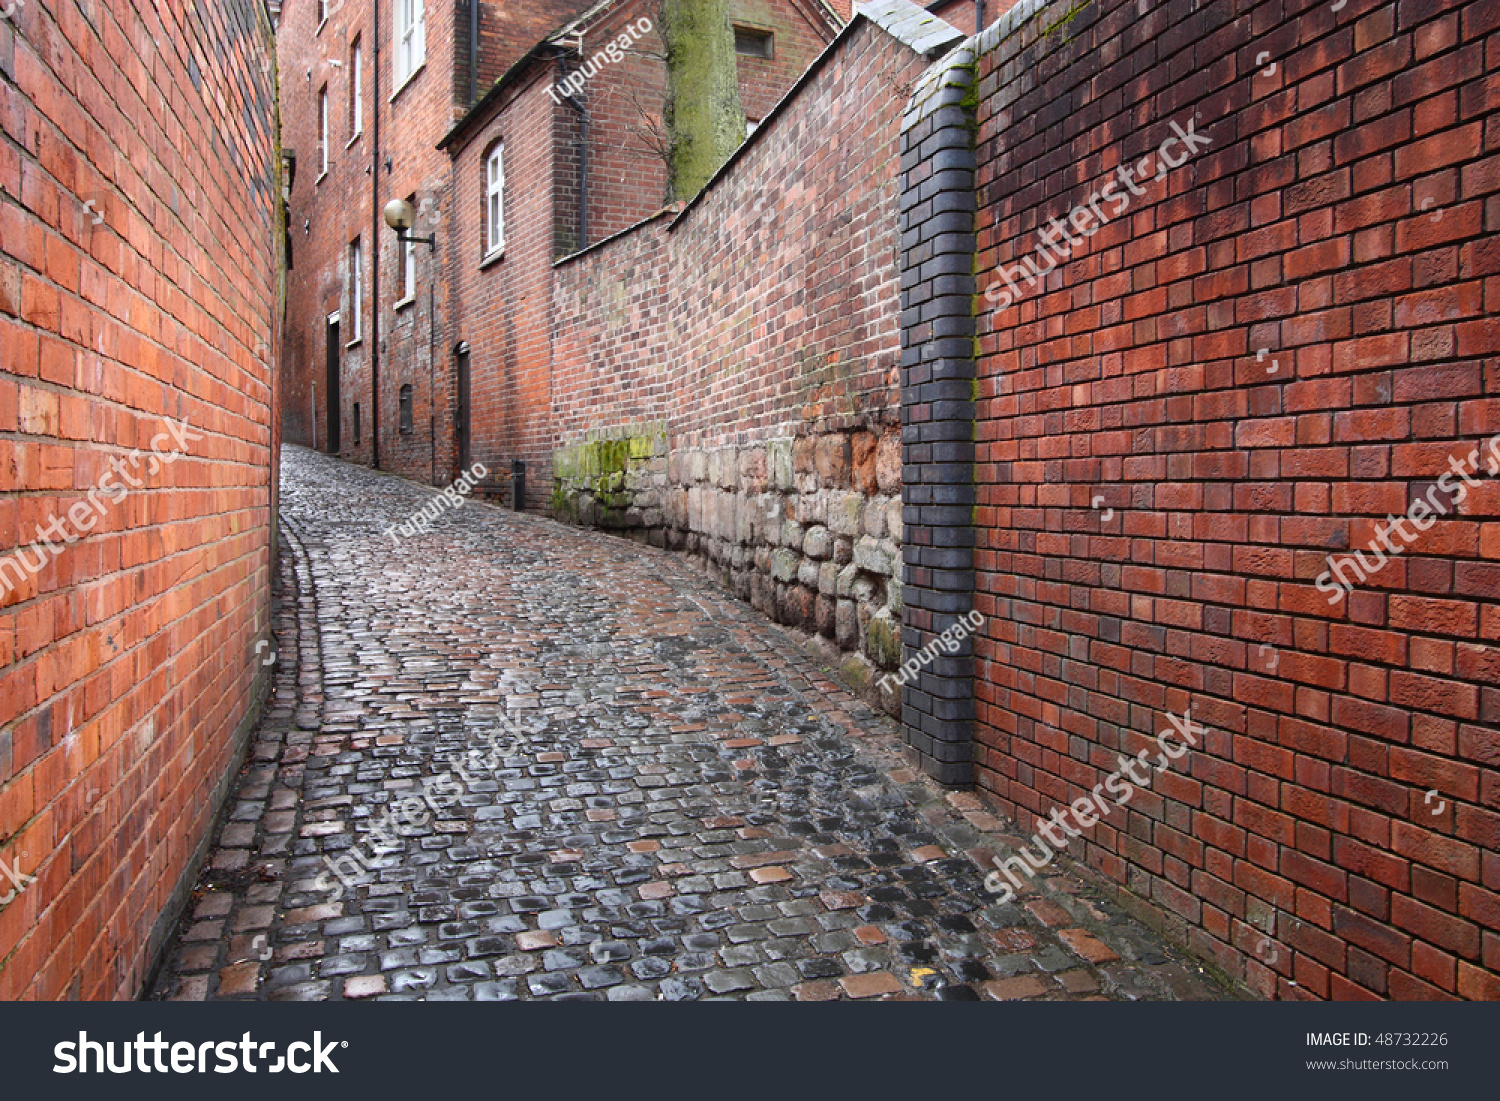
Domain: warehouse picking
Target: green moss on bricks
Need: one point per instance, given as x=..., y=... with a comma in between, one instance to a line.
x=1067, y=17
x=970, y=102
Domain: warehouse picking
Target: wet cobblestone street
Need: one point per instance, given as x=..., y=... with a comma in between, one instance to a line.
x=691, y=809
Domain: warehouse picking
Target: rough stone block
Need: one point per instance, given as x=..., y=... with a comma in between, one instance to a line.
x=888, y=463
x=824, y=612
x=846, y=513
x=784, y=564
x=828, y=578
x=753, y=469
x=883, y=639
x=817, y=543
x=873, y=555
x=832, y=457
x=846, y=625
x=803, y=448
x=779, y=460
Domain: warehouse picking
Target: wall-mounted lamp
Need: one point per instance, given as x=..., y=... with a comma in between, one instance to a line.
x=400, y=216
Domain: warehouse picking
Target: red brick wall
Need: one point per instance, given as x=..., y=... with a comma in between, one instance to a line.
x=504, y=309
x=1343, y=219
x=326, y=215
x=500, y=310
x=128, y=674
x=746, y=353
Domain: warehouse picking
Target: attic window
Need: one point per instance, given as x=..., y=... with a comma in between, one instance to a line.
x=753, y=43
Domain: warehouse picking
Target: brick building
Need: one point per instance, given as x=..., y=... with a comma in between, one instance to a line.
x=1235, y=315
x=407, y=110
x=958, y=332
x=139, y=314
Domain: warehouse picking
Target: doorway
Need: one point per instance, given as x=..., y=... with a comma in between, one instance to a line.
x=332, y=392
x=461, y=407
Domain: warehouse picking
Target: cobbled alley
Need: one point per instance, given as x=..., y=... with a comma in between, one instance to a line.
x=648, y=792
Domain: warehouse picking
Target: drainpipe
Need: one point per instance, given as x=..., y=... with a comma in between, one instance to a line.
x=978, y=16
x=473, y=52
x=375, y=223
x=583, y=154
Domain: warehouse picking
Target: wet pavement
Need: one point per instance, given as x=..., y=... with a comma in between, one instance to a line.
x=509, y=759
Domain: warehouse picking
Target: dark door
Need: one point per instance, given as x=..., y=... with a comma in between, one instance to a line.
x=333, y=387
x=461, y=410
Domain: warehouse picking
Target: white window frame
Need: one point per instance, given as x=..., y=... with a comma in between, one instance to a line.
x=357, y=90
x=408, y=40
x=356, y=290
x=323, y=131
x=494, y=201
x=408, y=274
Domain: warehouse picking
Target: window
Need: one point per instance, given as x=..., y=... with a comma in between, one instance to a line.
x=356, y=290
x=356, y=91
x=356, y=422
x=323, y=131
x=410, y=31
x=753, y=43
x=494, y=201
x=408, y=265
x=406, y=428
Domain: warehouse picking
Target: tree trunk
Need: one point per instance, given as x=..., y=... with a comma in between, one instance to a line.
x=704, y=120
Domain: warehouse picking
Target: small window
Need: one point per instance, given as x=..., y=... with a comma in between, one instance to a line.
x=749, y=42
x=410, y=31
x=356, y=289
x=494, y=201
x=356, y=90
x=323, y=131
x=356, y=422
x=406, y=429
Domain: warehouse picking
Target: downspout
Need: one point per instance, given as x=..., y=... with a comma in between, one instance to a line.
x=432, y=376
x=375, y=222
x=978, y=16
x=473, y=51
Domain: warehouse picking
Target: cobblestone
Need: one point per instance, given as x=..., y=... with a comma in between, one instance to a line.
x=682, y=805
